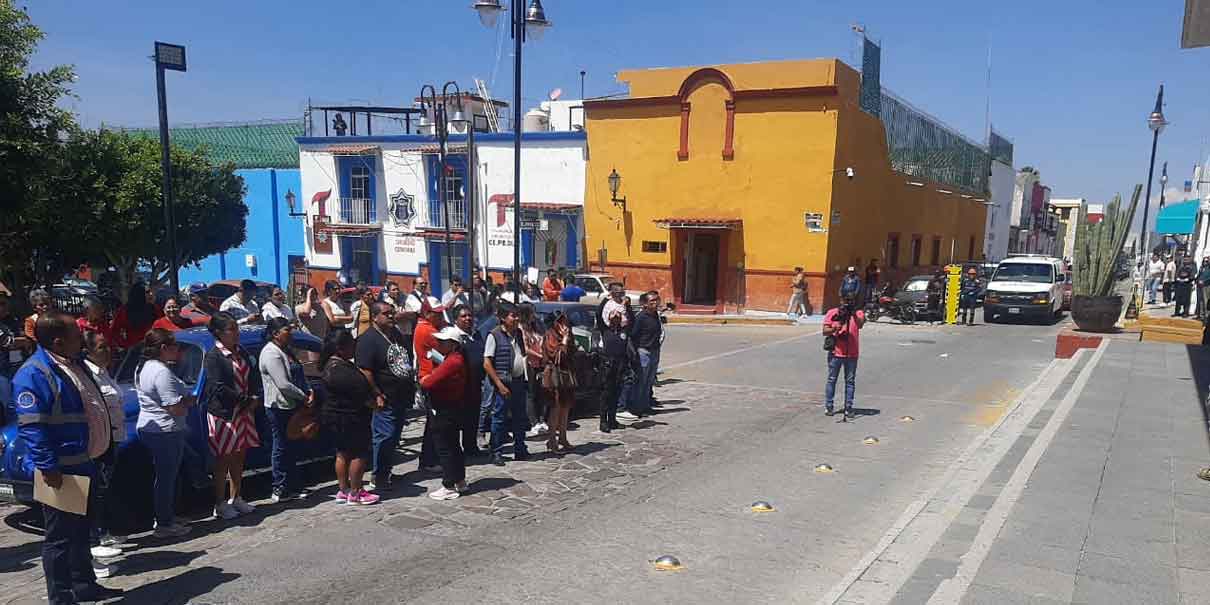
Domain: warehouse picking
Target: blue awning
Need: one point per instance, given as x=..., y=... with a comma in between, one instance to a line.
x=1177, y=219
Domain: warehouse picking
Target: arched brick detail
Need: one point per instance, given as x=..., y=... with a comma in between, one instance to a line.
x=707, y=75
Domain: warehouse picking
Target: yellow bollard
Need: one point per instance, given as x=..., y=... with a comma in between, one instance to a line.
x=952, y=285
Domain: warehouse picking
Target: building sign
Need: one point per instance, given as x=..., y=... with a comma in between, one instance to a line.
x=402, y=208
x=321, y=236
x=404, y=253
x=499, y=233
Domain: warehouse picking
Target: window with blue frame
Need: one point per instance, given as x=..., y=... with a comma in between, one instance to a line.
x=453, y=186
x=358, y=205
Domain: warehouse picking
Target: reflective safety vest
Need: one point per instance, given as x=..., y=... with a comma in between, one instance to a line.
x=50, y=417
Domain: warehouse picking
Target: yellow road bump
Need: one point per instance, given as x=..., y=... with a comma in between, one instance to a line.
x=760, y=506
x=668, y=563
x=870, y=440
x=906, y=419
x=824, y=468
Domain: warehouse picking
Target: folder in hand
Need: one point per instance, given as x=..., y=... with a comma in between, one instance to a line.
x=71, y=496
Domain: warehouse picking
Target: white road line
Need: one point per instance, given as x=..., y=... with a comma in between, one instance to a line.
x=950, y=494
x=952, y=589
x=664, y=368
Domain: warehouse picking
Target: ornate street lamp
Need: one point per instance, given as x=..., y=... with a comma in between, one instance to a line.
x=291, y=199
x=1156, y=123
x=532, y=22
x=615, y=182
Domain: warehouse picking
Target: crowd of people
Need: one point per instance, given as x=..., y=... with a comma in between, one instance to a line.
x=479, y=363
x=1174, y=277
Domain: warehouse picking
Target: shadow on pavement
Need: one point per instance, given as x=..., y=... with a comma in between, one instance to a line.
x=1199, y=362
x=179, y=589
x=133, y=563
x=20, y=557
x=26, y=520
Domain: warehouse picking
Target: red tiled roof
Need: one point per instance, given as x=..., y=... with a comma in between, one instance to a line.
x=350, y=149
x=505, y=200
x=690, y=222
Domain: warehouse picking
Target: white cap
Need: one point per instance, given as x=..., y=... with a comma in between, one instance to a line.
x=508, y=296
x=449, y=333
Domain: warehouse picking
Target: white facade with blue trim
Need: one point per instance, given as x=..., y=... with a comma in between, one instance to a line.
x=373, y=208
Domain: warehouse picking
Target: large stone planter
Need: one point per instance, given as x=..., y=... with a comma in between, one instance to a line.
x=1096, y=313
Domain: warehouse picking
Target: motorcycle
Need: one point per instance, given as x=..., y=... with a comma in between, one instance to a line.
x=885, y=304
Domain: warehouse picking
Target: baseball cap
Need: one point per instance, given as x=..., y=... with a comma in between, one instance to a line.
x=197, y=288
x=449, y=333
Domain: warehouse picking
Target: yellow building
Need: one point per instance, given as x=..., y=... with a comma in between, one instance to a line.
x=733, y=175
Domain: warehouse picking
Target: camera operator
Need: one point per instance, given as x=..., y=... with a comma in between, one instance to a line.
x=14, y=347
x=841, y=328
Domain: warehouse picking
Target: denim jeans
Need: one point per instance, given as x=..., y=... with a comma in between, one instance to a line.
x=167, y=450
x=626, y=392
x=282, y=452
x=66, y=562
x=1153, y=285
x=508, y=413
x=487, y=399
x=850, y=380
x=386, y=426
x=649, y=360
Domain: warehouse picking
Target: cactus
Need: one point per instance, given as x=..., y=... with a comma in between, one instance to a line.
x=1098, y=246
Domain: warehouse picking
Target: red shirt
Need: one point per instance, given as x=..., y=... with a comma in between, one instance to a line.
x=551, y=289
x=847, y=343
x=127, y=335
x=422, y=343
x=102, y=327
x=447, y=384
x=172, y=326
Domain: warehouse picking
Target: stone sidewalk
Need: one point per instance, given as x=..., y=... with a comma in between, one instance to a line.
x=1103, y=505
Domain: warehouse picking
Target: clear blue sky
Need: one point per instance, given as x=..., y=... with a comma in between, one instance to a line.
x=1072, y=80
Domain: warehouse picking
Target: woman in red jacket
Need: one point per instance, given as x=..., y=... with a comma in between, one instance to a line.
x=133, y=320
x=446, y=386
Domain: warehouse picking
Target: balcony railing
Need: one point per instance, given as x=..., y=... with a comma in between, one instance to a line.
x=357, y=211
x=457, y=214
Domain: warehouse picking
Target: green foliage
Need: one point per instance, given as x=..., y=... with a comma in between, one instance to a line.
x=1098, y=246
x=33, y=246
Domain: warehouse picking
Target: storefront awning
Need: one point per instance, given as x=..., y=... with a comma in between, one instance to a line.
x=1177, y=219
x=732, y=224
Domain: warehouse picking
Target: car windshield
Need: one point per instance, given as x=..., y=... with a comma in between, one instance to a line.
x=1027, y=272
x=916, y=285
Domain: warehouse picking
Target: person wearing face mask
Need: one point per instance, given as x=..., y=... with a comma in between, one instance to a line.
x=172, y=319
x=57, y=405
x=285, y=389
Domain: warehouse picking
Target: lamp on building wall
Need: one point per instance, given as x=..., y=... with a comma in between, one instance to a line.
x=290, y=201
x=615, y=182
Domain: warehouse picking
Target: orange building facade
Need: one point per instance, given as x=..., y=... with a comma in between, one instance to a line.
x=733, y=175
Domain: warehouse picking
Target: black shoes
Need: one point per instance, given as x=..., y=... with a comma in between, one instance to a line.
x=848, y=413
x=830, y=412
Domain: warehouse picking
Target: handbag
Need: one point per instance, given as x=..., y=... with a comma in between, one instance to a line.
x=303, y=425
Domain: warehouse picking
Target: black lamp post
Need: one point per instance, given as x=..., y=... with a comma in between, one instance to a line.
x=1156, y=123
x=291, y=199
x=615, y=182
x=442, y=133
x=532, y=23
x=167, y=56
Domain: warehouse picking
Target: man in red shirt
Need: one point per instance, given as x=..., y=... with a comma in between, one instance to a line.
x=424, y=343
x=843, y=324
x=551, y=286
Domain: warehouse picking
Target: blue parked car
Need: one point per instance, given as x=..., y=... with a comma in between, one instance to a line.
x=132, y=486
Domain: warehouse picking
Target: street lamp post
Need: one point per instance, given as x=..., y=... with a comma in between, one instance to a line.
x=532, y=22
x=1156, y=123
x=441, y=132
x=167, y=56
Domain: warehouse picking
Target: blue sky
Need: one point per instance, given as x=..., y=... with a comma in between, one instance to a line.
x=1072, y=80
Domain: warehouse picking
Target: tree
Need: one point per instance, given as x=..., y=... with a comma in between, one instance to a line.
x=114, y=185
x=33, y=246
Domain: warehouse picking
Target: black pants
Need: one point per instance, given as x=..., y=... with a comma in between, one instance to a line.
x=107, y=512
x=428, y=445
x=613, y=373
x=1167, y=292
x=1183, y=291
x=469, y=422
x=66, y=560
x=447, y=424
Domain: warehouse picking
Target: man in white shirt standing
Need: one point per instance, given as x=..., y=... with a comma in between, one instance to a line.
x=276, y=306
x=1155, y=276
x=1169, y=279
x=241, y=305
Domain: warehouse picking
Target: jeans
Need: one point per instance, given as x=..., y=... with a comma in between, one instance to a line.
x=282, y=453
x=1153, y=285
x=486, y=400
x=850, y=380
x=626, y=392
x=649, y=360
x=167, y=450
x=447, y=424
x=611, y=373
x=66, y=561
x=386, y=427
x=511, y=411
x=535, y=404
x=102, y=481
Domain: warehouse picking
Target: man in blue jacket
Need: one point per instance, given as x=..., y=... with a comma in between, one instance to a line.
x=53, y=421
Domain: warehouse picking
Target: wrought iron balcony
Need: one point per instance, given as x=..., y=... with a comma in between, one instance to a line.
x=457, y=214
x=357, y=211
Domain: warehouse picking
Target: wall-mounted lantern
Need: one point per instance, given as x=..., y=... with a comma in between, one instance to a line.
x=615, y=183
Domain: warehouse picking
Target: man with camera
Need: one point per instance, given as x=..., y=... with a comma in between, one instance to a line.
x=841, y=328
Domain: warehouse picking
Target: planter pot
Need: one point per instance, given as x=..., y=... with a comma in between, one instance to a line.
x=1096, y=313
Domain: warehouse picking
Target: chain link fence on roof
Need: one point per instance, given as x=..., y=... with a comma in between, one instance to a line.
x=920, y=145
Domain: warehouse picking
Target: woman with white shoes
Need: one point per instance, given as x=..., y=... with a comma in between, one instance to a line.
x=163, y=402
x=231, y=388
x=446, y=386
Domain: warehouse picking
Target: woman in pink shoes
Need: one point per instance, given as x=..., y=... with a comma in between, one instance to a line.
x=347, y=415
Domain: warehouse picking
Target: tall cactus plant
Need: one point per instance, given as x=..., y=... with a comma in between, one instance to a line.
x=1098, y=246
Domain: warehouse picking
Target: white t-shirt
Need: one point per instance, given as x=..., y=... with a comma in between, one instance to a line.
x=237, y=308
x=1156, y=268
x=271, y=310
x=489, y=351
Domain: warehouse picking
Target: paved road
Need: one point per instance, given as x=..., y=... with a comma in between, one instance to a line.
x=741, y=421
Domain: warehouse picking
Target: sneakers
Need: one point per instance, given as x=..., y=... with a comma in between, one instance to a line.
x=830, y=412
x=102, y=570
x=460, y=487
x=481, y=439
x=112, y=540
x=240, y=506
x=539, y=429
x=281, y=496
x=363, y=498
x=444, y=493
x=225, y=511
x=627, y=415
x=175, y=530
x=104, y=552
x=342, y=496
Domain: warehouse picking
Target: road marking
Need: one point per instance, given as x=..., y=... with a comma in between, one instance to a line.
x=898, y=560
x=736, y=352
x=951, y=590
x=864, y=395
